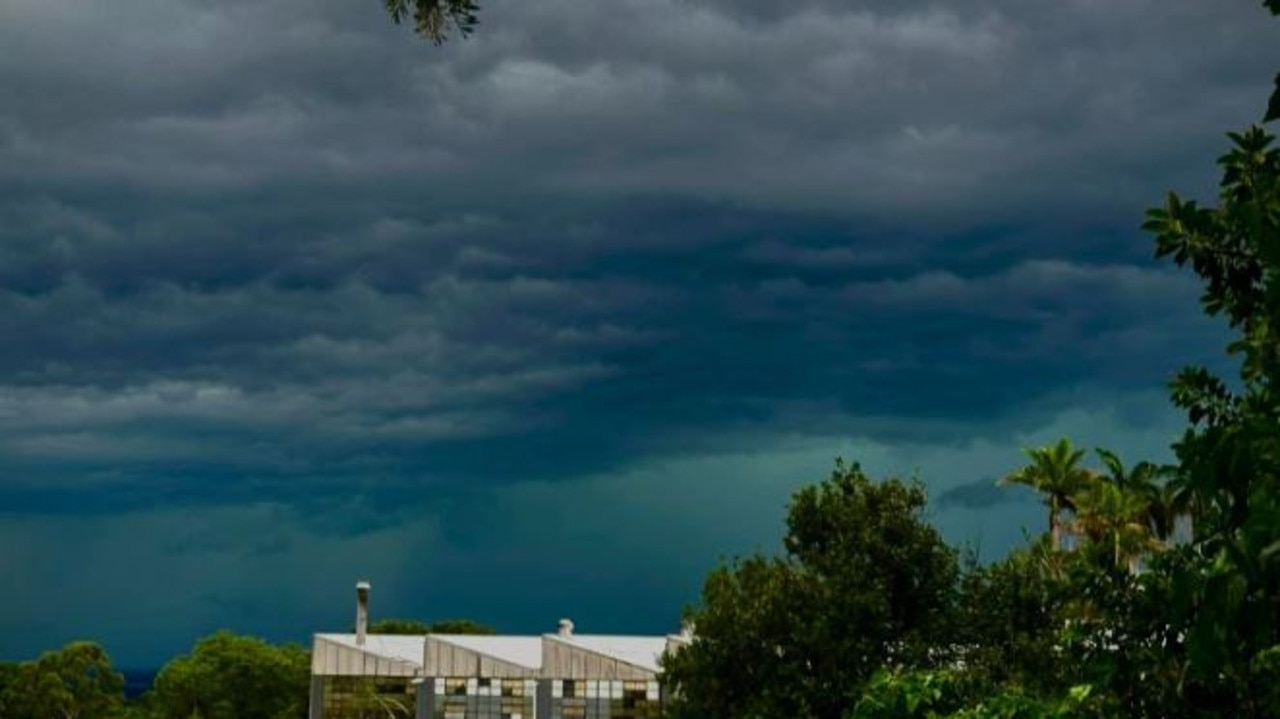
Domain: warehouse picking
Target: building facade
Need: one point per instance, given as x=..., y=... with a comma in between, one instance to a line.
x=560, y=675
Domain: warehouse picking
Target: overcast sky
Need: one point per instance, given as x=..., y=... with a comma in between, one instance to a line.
x=543, y=323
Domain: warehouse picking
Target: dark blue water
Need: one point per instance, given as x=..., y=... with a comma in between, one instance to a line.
x=137, y=681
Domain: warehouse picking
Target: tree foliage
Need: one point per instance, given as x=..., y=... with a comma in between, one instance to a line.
x=460, y=626
x=1009, y=617
x=399, y=626
x=1226, y=588
x=444, y=626
x=1166, y=601
x=955, y=695
x=1056, y=473
x=9, y=672
x=864, y=581
x=227, y=676
x=75, y=682
x=435, y=20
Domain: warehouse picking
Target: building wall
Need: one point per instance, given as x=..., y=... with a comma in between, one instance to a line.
x=349, y=697
x=348, y=683
x=352, y=697
x=609, y=699
x=477, y=698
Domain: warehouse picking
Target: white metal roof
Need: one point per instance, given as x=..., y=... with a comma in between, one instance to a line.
x=642, y=652
x=404, y=648
x=525, y=651
x=522, y=651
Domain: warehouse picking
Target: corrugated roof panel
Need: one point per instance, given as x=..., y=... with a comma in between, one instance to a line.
x=518, y=650
x=525, y=651
x=642, y=652
x=389, y=646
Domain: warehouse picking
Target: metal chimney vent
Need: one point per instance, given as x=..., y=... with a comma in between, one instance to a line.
x=362, y=612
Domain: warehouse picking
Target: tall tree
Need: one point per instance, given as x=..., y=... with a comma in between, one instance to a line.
x=1226, y=586
x=1056, y=473
x=227, y=676
x=1128, y=509
x=75, y=682
x=864, y=580
x=1113, y=519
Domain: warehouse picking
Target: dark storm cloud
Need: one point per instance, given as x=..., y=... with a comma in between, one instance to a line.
x=262, y=389
x=844, y=107
x=982, y=494
x=282, y=264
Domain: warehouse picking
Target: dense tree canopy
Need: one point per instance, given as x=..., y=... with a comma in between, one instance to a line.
x=864, y=581
x=227, y=676
x=75, y=682
x=1008, y=620
x=444, y=626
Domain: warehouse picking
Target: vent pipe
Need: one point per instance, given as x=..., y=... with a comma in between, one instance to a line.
x=566, y=628
x=362, y=612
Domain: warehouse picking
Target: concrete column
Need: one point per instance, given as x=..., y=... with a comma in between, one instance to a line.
x=542, y=700
x=315, y=710
x=425, y=699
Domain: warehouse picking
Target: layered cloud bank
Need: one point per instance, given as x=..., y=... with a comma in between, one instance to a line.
x=288, y=296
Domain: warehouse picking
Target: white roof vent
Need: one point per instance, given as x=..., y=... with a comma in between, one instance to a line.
x=566, y=628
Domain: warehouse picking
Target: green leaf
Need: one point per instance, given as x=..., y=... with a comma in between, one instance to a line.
x=1079, y=693
x=1273, y=107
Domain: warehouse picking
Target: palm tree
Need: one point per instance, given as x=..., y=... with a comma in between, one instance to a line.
x=1136, y=508
x=1056, y=473
x=1185, y=501
x=1152, y=483
x=435, y=19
